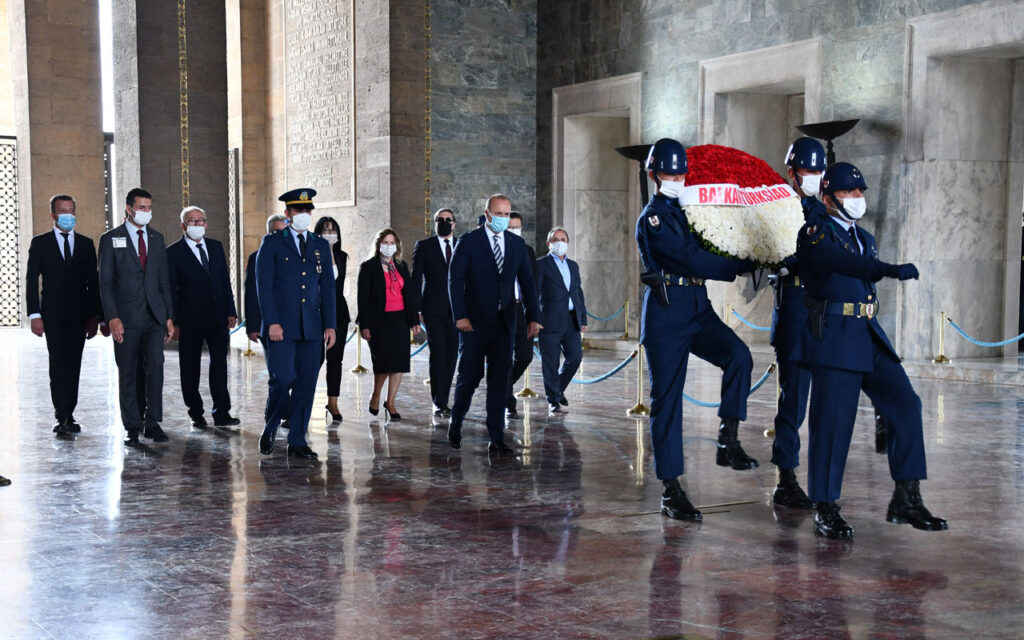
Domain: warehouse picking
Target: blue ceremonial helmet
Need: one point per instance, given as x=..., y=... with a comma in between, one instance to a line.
x=842, y=176
x=806, y=153
x=666, y=156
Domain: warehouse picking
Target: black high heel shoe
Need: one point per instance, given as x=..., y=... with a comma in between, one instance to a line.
x=335, y=417
x=373, y=411
x=392, y=415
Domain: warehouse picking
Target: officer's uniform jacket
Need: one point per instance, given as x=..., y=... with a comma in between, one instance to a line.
x=789, y=314
x=667, y=244
x=833, y=270
x=296, y=291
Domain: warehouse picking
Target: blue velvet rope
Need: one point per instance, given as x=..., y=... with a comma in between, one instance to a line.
x=611, y=317
x=351, y=335
x=617, y=368
x=712, y=405
x=981, y=343
x=236, y=329
x=749, y=323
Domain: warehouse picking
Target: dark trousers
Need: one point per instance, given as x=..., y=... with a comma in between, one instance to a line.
x=141, y=350
x=522, y=355
x=568, y=343
x=334, y=357
x=491, y=342
x=794, y=385
x=833, y=411
x=64, y=344
x=190, y=358
x=296, y=366
x=670, y=337
x=443, y=343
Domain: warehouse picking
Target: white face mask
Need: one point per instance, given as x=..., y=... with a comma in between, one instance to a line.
x=671, y=189
x=300, y=221
x=810, y=184
x=196, y=233
x=142, y=218
x=331, y=238
x=855, y=208
x=558, y=248
x=518, y=231
x=388, y=250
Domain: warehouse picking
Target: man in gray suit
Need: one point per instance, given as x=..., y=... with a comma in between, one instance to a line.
x=136, y=296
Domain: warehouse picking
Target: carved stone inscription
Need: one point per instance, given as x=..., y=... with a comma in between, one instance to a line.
x=320, y=105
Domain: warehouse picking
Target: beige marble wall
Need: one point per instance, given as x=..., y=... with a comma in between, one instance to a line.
x=6, y=89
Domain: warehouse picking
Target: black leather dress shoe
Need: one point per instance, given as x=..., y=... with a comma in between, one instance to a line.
x=199, y=422
x=512, y=414
x=267, y=442
x=74, y=426
x=455, y=436
x=62, y=429
x=155, y=433
x=828, y=522
x=58, y=426
x=226, y=420
x=438, y=412
x=730, y=453
x=789, y=494
x=554, y=408
x=447, y=412
x=562, y=401
x=303, y=452
x=286, y=423
x=500, y=449
x=676, y=505
x=906, y=507
x=5, y=482
x=132, y=438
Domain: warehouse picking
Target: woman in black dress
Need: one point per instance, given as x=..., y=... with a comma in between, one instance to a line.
x=387, y=310
x=327, y=228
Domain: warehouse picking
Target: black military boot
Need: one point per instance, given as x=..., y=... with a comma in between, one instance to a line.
x=880, y=442
x=730, y=453
x=788, y=492
x=906, y=507
x=675, y=504
x=828, y=522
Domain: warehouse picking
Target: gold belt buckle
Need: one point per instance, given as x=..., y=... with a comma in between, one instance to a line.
x=796, y=281
x=848, y=309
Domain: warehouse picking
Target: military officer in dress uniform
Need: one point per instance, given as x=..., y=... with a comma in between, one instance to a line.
x=678, y=320
x=806, y=162
x=295, y=282
x=847, y=351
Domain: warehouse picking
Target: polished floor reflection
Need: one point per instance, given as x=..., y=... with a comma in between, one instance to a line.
x=395, y=535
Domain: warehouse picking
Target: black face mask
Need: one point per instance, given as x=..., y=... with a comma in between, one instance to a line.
x=444, y=228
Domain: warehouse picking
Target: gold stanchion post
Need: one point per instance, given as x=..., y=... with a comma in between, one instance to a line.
x=526, y=391
x=248, y=349
x=625, y=334
x=639, y=409
x=359, y=368
x=728, y=314
x=941, y=358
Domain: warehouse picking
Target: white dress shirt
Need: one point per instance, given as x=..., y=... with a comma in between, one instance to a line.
x=192, y=244
x=58, y=232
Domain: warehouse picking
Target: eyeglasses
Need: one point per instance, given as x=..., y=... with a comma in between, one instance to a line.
x=196, y=223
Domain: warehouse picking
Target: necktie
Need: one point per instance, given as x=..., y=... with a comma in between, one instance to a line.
x=203, y=258
x=498, y=258
x=142, y=249
x=67, y=248
x=302, y=243
x=447, y=251
x=853, y=234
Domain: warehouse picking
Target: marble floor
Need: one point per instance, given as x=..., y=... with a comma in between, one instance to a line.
x=395, y=535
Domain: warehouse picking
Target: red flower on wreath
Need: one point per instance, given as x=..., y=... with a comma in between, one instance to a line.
x=715, y=164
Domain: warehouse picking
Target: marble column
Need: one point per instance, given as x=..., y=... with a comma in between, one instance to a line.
x=149, y=131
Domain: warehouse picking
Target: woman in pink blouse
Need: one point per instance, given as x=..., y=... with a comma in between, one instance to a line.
x=387, y=310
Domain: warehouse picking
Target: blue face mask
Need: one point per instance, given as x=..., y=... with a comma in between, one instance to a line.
x=66, y=221
x=498, y=223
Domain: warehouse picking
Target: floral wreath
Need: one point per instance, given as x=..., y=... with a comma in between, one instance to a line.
x=739, y=207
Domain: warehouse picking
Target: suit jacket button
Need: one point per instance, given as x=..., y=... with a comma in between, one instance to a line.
x=303, y=286
x=303, y=299
x=303, y=273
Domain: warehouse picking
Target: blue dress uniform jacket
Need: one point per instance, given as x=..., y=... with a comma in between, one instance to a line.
x=789, y=316
x=687, y=325
x=847, y=353
x=297, y=292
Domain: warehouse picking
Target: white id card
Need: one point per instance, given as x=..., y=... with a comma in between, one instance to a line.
x=120, y=243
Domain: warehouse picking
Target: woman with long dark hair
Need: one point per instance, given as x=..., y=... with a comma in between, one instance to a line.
x=327, y=228
x=388, y=304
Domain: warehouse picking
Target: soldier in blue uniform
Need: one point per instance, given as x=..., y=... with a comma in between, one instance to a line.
x=678, y=320
x=295, y=284
x=847, y=351
x=806, y=162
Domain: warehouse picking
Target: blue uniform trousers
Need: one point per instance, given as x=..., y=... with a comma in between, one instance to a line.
x=296, y=367
x=794, y=386
x=568, y=342
x=491, y=341
x=670, y=335
x=833, y=410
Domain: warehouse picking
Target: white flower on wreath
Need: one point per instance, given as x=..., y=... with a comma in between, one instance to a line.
x=765, y=233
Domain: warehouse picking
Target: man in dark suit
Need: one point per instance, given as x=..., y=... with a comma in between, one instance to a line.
x=136, y=294
x=563, y=314
x=68, y=314
x=204, y=311
x=481, y=285
x=430, y=260
x=296, y=293
x=253, y=320
x=522, y=349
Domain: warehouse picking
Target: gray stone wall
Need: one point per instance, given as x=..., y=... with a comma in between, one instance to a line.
x=483, y=107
